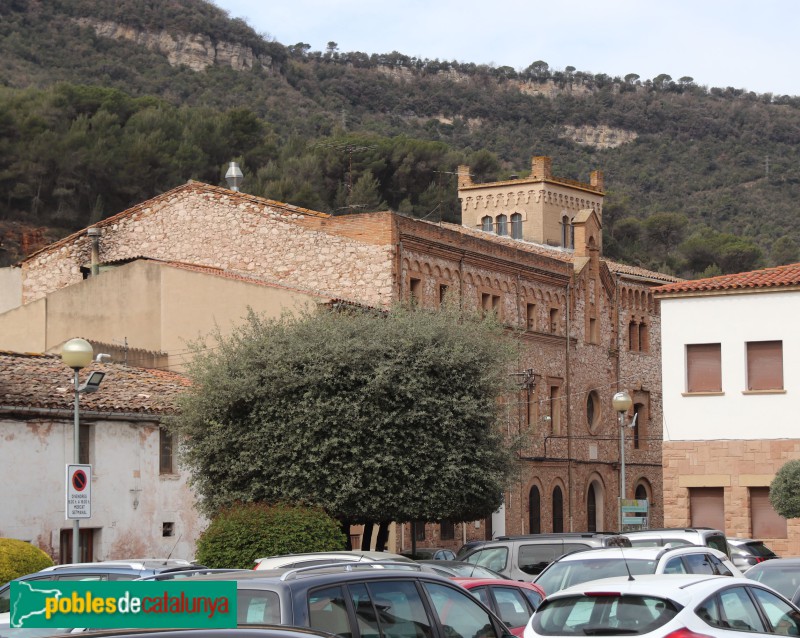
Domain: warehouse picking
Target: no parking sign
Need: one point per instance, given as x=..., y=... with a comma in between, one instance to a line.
x=79, y=491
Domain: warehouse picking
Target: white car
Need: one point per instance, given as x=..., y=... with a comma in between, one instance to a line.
x=663, y=606
x=292, y=561
x=593, y=564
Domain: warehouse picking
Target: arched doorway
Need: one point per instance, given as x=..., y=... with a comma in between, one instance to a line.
x=595, y=506
x=558, y=510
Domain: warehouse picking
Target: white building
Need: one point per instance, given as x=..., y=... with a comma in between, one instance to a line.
x=141, y=503
x=731, y=369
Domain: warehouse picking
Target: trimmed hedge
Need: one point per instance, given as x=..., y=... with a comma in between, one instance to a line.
x=240, y=534
x=18, y=558
x=784, y=491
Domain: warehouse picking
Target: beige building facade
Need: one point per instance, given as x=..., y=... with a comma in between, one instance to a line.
x=589, y=326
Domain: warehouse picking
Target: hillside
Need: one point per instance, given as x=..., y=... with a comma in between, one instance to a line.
x=105, y=104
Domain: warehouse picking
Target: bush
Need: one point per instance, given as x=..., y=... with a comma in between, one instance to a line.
x=18, y=558
x=784, y=491
x=239, y=535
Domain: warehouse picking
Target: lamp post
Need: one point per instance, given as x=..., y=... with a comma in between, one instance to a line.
x=622, y=402
x=76, y=354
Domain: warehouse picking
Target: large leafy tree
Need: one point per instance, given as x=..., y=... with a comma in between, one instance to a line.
x=375, y=416
x=784, y=491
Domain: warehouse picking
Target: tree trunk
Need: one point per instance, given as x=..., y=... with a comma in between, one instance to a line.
x=346, y=531
x=383, y=536
x=366, y=539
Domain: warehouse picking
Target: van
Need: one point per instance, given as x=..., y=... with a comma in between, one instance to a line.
x=677, y=536
x=524, y=557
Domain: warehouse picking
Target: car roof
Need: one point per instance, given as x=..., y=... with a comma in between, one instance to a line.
x=777, y=563
x=133, y=563
x=682, y=588
x=325, y=572
x=637, y=553
x=338, y=555
x=495, y=582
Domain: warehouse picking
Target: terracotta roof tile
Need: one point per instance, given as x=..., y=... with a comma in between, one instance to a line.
x=31, y=381
x=780, y=276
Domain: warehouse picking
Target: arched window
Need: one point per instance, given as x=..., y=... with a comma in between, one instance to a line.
x=591, y=509
x=535, y=511
x=516, y=226
x=639, y=430
x=565, y=225
x=487, y=224
x=502, y=225
x=558, y=510
x=641, y=493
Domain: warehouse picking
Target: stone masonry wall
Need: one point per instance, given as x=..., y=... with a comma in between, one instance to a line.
x=214, y=227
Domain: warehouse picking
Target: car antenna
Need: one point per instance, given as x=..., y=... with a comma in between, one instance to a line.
x=174, y=546
x=625, y=560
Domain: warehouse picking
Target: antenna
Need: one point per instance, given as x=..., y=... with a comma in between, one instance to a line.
x=179, y=540
x=349, y=149
x=625, y=560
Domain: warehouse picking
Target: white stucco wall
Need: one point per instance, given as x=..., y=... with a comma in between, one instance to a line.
x=10, y=288
x=730, y=320
x=130, y=500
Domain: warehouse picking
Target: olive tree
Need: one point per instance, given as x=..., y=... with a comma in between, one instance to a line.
x=373, y=416
x=784, y=491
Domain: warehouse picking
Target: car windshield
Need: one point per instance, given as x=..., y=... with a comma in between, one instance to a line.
x=786, y=581
x=563, y=574
x=603, y=614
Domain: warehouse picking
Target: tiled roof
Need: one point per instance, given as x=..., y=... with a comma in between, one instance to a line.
x=35, y=381
x=555, y=252
x=780, y=276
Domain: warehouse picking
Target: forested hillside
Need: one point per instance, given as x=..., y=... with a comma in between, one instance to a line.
x=104, y=104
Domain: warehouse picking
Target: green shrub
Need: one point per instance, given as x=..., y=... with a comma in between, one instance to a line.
x=784, y=491
x=239, y=535
x=18, y=558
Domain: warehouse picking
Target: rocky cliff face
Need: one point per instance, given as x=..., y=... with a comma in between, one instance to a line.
x=196, y=51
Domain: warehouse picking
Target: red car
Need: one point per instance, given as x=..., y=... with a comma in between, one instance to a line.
x=514, y=601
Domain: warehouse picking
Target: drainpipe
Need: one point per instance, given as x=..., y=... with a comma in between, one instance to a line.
x=94, y=234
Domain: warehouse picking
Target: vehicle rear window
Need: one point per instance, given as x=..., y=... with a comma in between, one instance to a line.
x=494, y=558
x=759, y=549
x=717, y=541
x=534, y=558
x=588, y=615
x=258, y=607
x=574, y=572
x=786, y=581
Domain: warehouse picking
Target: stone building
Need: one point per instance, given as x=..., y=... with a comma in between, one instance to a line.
x=528, y=249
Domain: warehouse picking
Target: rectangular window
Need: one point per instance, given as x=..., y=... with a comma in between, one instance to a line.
x=415, y=289
x=644, y=341
x=165, y=451
x=167, y=529
x=766, y=522
x=442, y=293
x=591, y=337
x=84, y=444
x=765, y=365
x=419, y=530
x=707, y=507
x=530, y=315
x=555, y=408
x=447, y=530
x=703, y=367
x=554, y=319
x=490, y=303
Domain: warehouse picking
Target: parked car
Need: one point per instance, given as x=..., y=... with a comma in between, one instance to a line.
x=746, y=552
x=680, y=536
x=362, y=599
x=458, y=569
x=782, y=574
x=467, y=547
x=430, y=553
x=104, y=570
x=513, y=600
x=291, y=561
x=250, y=631
x=678, y=606
x=523, y=557
x=584, y=566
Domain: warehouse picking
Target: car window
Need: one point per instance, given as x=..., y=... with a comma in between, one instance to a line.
x=698, y=564
x=96, y=577
x=534, y=598
x=718, y=566
x=786, y=581
x=5, y=594
x=512, y=606
x=534, y=558
x=494, y=558
x=675, y=566
x=782, y=617
x=482, y=594
x=737, y=611
x=717, y=541
x=398, y=610
x=459, y=613
x=602, y=615
x=563, y=574
x=327, y=611
x=258, y=607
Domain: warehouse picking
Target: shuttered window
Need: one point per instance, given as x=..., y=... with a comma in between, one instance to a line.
x=703, y=367
x=707, y=507
x=765, y=365
x=766, y=522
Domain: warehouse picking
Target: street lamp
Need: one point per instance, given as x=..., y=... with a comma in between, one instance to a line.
x=622, y=402
x=77, y=354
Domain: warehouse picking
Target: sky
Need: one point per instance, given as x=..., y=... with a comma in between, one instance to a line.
x=719, y=43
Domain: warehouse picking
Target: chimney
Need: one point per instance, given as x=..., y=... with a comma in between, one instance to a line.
x=596, y=180
x=464, y=178
x=94, y=234
x=234, y=176
x=541, y=167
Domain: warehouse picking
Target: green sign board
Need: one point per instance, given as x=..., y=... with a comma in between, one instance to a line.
x=128, y=604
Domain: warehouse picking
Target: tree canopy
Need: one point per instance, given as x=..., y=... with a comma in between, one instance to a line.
x=374, y=416
x=784, y=491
